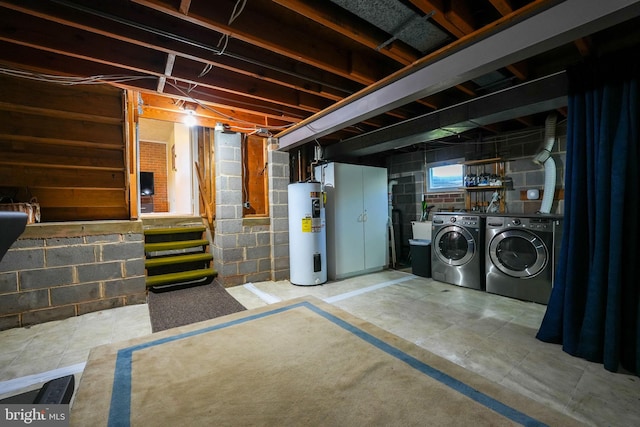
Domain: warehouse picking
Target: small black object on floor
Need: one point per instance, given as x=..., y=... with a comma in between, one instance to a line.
x=171, y=307
x=55, y=392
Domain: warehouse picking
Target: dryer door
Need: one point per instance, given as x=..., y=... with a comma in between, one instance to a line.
x=454, y=245
x=518, y=253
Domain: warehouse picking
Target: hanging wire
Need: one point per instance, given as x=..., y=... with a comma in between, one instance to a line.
x=71, y=80
x=225, y=37
x=237, y=12
x=123, y=78
x=206, y=107
x=199, y=45
x=206, y=69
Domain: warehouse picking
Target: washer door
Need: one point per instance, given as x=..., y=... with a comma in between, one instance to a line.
x=454, y=245
x=518, y=253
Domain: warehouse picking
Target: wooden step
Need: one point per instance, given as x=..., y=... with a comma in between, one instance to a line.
x=178, y=244
x=177, y=259
x=180, y=277
x=173, y=230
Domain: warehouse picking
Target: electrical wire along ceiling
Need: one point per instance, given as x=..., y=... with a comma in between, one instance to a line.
x=336, y=73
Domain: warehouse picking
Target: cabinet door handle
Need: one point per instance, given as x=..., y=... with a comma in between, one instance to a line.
x=360, y=218
x=364, y=217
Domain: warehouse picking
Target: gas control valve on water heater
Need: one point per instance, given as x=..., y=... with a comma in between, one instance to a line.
x=307, y=234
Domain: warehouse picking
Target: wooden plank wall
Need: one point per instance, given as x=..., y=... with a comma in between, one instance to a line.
x=256, y=180
x=204, y=160
x=64, y=145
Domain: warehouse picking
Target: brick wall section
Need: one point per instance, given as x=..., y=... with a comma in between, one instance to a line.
x=248, y=249
x=153, y=158
x=44, y=278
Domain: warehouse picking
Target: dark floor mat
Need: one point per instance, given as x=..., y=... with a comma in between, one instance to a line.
x=169, y=308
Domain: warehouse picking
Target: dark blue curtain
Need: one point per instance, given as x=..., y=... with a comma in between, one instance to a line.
x=593, y=310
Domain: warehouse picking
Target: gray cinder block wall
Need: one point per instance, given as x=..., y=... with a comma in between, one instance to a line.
x=278, y=212
x=517, y=149
x=524, y=174
x=409, y=170
x=249, y=249
x=56, y=271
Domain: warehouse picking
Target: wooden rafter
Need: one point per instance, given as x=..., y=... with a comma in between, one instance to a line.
x=502, y=6
x=458, y=20
x=184, y=6
x=285, y=60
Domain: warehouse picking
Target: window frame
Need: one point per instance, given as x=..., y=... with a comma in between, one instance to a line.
x=428, y=174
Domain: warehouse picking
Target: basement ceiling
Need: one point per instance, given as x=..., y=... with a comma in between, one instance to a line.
x=284, y=66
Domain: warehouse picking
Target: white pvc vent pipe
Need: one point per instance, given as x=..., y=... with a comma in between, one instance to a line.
x=544, y=158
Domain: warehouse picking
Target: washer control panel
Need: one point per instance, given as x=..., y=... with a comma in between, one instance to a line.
x=461, y=220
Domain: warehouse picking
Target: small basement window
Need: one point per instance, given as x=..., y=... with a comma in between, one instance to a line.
x=445, y=176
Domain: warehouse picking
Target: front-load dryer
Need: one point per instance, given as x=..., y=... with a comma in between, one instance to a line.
x=456, y=249
x=521, y=256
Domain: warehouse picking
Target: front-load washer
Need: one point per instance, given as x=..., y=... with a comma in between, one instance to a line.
x=521, y=255
x=456, y=249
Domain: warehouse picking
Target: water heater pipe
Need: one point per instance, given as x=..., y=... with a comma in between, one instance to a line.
x=390, y=195
x=544, y=158
x=392, y=241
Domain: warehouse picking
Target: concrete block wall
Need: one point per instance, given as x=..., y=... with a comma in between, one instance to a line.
x=279, y=213
x=409, y=170
x=54, y=272
x=524, y=174
x=517, y=149
x=248, y=249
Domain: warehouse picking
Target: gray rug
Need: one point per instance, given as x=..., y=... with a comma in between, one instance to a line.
x=173, y=307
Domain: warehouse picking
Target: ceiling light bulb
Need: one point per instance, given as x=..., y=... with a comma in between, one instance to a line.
x=190, y=119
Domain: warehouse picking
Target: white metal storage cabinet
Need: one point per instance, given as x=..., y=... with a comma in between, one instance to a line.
x=356, y=217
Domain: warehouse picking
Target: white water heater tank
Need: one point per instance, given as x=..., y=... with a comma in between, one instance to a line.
x=307, y=234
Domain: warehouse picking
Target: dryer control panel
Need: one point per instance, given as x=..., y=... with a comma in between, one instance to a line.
x=540, y=224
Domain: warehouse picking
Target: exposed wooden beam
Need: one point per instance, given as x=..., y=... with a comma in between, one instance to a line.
x=525, y=120
x=184, y=6
x=458, y=21
x=504, y=7
x=437, y=6
x=519, y=70
x=295, y=44
x=584, y=46
x=466, y=89
x=134, y=58
x=162, y=107
x=248, y=112
x=325, y=14
x=460, y=16
x=540, y=29
x=195, y=50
